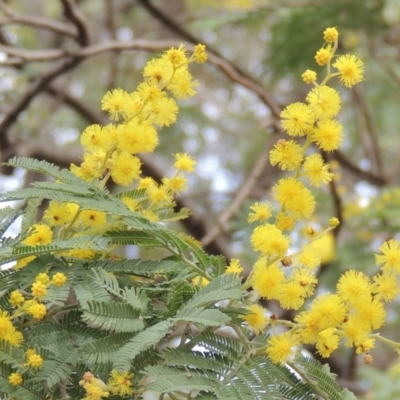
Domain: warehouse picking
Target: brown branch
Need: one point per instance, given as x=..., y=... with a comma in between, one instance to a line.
x=337, y=201
x=37, y=22
x=72, y=12
x=34, y=88
x=364, y=175
x=241, y=195
x=227, y=67
x=41, y=81
x=90, y=51
x=23, y=56
x=112, y=28
x=369, y=124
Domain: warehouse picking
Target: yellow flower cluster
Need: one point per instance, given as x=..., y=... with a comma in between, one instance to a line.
x=118, y=384
x=8, y=331
x=356, y=309
x=112, y=150
x=34, y=360
x=350, y=315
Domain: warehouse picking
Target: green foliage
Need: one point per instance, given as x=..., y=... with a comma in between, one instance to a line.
x=227, y=370
x=104, y=319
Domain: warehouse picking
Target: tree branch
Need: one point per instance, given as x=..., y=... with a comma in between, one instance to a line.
x=34, y=88
x=72, y=12
x=241, y=195
x=37, y=22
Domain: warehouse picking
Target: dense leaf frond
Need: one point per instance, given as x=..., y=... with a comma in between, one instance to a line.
x=58, y=367
x=319, y=375
x=143, y=267
x=218, y=344
x=7, y=216
x=222, y=288
x=102, y=350
x=112, y=316
x=144, y=340
x=207, y=317
x=170, y=379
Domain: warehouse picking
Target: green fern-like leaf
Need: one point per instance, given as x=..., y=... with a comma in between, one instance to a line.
x=95, y=242
x=56, y=336
x=143, y=267
x=219, y=265
x=171, y=215
x=179, y=356
x=137, y=194
x=181, y=293
x=112, y=316
x=140, y=238
x=320, y=375
x=102, y=350
x=58, y=367
x=206, y=317
x=26, y=391
x=144, y=340
x=11, y=355
x=171, y=379
x=87, y=290
x=218, y=344
x=106, y=280
x=32, y=164
x=136, y=298
x=30, y=213
x=7, y=216
x=56, y=295
x=222, y=288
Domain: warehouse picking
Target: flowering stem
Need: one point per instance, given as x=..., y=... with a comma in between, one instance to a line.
x=241, y=335
x=61, y=309
x=179, y=254
x=248, y=281
x=389, y=342
x=328, y=77
x=71, y=223
x=283, y=322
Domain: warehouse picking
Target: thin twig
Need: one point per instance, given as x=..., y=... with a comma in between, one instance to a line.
x=370, y=128
x=34, y=88
x=360, y=173
x=37, y=22
x=337, y=201
x=240, y=196
x=72, y=12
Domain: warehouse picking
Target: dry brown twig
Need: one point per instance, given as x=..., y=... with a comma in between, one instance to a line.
x=37, y=22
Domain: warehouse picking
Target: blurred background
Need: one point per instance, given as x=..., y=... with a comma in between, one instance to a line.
x=58, y=58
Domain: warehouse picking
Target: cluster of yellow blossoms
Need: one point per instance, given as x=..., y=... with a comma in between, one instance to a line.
x=27, y=305
x=111, y=152
x=118, y=384
x=287, y=275
x=34, y=361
